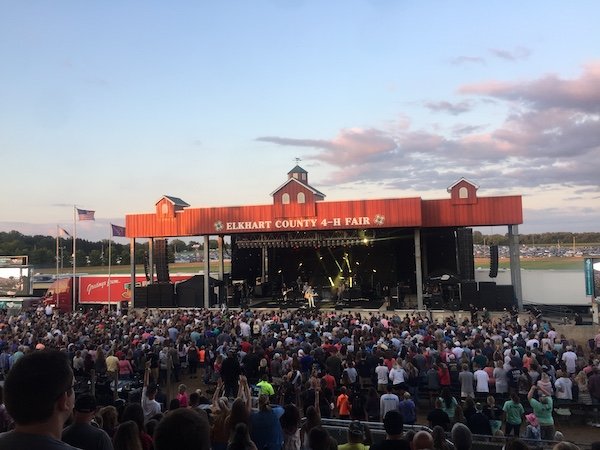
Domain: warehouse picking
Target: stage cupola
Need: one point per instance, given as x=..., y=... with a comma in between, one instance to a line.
x=463, y=192
x=168, y=205
x=295, y=197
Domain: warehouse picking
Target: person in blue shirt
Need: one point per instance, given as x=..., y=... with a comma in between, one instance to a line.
x=265, y=427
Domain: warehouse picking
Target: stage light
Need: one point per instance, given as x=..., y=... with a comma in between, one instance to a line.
x=357, y=263
x=331, y=282
x=279, y=271
x=365, y=241
x=299, y=265
x=374, y=270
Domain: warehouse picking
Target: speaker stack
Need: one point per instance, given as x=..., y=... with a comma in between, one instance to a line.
x=153, y=295
x=141, y=297
x=493, y=261
x=161, y=260
x=466, y=261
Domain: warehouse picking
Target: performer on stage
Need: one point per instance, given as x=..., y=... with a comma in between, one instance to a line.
x=340, y=292
x=310, y=296
x=285, y=291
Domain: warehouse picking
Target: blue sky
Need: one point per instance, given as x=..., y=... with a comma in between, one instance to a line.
x=110, y=105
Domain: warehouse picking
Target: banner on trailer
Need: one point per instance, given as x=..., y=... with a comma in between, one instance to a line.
x=94, y=289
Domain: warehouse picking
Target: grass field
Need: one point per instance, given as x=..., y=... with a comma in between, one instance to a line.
x=553, y=263
x=190, y=268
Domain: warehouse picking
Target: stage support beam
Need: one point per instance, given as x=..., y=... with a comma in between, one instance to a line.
x=418, y=269
x=220, y=256
x=206, y=256
x=515, y=263
x=151, y=259
x=265, y=265
x=132, y=270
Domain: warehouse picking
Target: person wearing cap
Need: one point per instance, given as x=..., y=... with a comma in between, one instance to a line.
x=532, y=431
x=39, y=396
x=478, y=423
x=356, y=436
x=81, y=433
x=393, y=425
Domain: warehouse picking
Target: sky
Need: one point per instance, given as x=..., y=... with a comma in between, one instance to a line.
x=110, y=105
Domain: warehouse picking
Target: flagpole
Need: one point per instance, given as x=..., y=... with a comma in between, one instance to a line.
x=57, y=242
x=109, y=265
x=74, y=287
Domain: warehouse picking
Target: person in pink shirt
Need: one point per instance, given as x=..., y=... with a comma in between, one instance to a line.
x=182, y=396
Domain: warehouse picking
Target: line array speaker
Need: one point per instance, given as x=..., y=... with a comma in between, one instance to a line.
x=466, y=261
x=161, y=260
x=493, y=261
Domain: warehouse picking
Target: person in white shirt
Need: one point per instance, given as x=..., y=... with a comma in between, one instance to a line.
x=570, y=359
x=564, y=387
x=481, y=381
x=149, y=404
x=388, y=402
x=382, y=376
x=244, y=329
x=397, y=376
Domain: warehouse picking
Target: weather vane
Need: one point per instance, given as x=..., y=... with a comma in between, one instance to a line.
x=297, y=160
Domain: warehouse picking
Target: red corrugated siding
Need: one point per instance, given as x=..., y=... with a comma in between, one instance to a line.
x=487, y=211
x=390, y=213
x=338, y=215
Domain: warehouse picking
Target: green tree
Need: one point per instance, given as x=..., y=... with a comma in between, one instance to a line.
x=96, y=258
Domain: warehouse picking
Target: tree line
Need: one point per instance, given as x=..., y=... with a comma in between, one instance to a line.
x=41, y=250
x=541, y=239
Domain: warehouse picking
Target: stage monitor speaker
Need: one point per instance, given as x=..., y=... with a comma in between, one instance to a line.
x=153, y=291
x=141, y=297
x=466, y=260
x=493, y=261
x=161, y=260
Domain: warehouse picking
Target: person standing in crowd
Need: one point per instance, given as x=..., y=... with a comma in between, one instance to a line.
x=81, y=433
x=438, y=417
x=265, y=428
x=356, y=437
x=408, y=410
x=465, y=377
x=382, y=372
x=388, y=402
x=513, y=415
x=39, y=396
x=343, y=404
x=149, y=404
x=393, y=425
x=542, y=409
x=182, y=429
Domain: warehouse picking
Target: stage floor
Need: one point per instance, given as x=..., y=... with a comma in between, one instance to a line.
x=357, y=303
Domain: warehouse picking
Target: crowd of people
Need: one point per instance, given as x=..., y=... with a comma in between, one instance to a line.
x=277, y=375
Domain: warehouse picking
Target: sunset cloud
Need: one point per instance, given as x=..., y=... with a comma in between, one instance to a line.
x=549, y=137
x=452, y=108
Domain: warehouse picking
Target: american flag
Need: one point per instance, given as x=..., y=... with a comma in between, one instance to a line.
x=117, y=230
x=85, y=214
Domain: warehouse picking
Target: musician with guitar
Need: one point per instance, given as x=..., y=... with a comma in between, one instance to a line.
x=285, y=291
x=309, y=294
